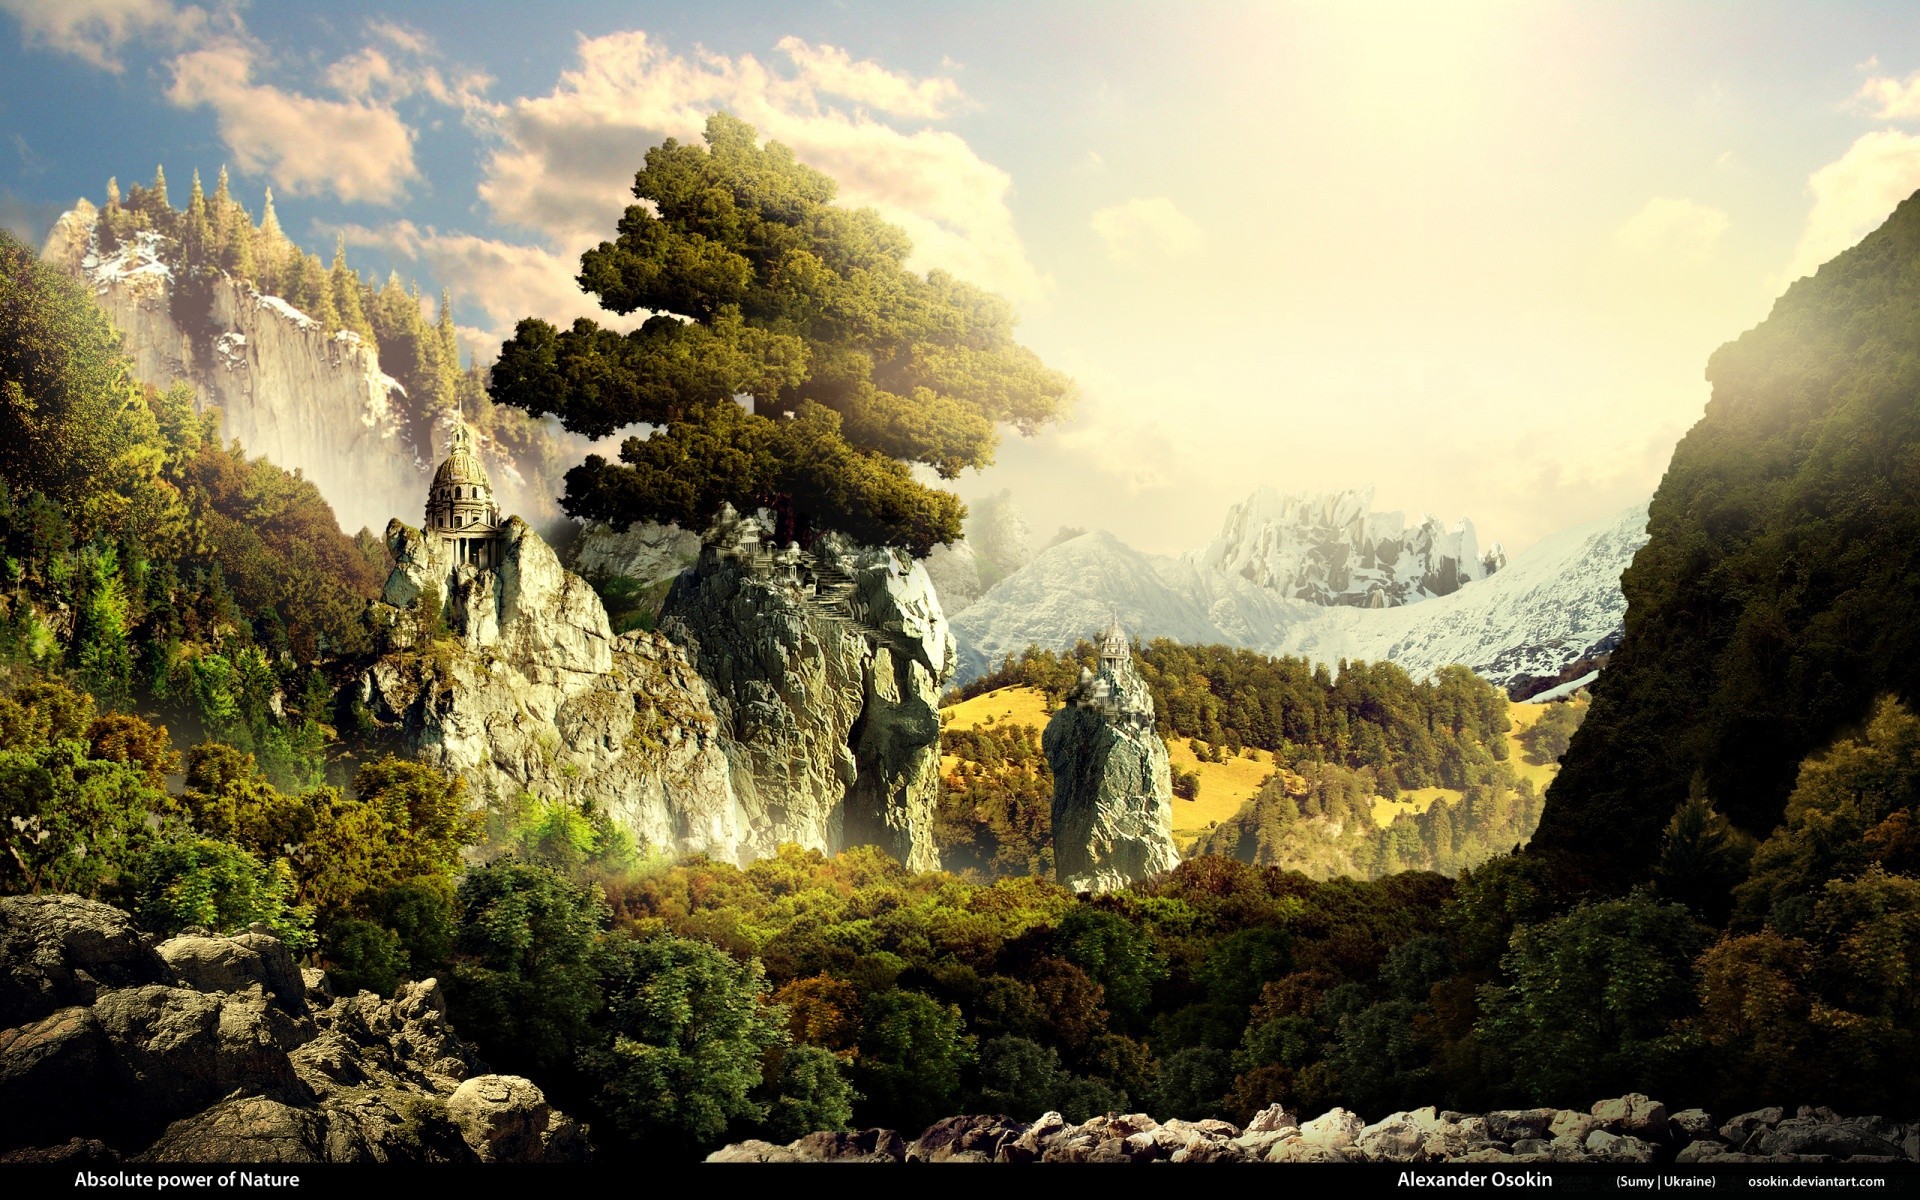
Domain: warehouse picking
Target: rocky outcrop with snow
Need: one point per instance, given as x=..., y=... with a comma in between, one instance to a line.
x=1556, y=604
x=1333, y=549
x=219, y=1049
x=1629, y=1130
x=307, y=400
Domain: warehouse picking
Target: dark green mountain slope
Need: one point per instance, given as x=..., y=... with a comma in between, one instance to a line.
x=1776, y=596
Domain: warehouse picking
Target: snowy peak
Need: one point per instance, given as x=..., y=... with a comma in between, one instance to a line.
x=1331, y=548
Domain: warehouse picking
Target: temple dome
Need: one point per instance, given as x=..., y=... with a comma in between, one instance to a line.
x=462, y=465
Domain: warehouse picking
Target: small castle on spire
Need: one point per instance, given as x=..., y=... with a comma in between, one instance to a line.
x=1116, y=692
x=460, y=505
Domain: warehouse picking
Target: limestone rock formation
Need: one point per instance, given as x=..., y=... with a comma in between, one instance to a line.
x=529, y=691
x=646, y=552
x=827, y=669
x=209, y=1048
x=1112, y=783
x=1630, y=1130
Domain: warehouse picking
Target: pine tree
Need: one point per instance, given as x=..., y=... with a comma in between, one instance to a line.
x=160, y=189
x=312, y=293
x=345, y=286
x=448, y=344
x=196, y=231
x=113, y=193
x=272, y=253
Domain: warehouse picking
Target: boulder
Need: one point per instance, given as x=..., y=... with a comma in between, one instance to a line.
x=1634, y=1115
x=1690, y=1124
x=1335, y=1129
x=233, y=964
x=1273, y=1119
x=504, y=1118
x=248, y=1129
x=60, y=950
x=859, y=1146
x=756, y=1151
x=1738, y=1129
x=52, y=1077
x=965, y=1139
x=1813, y=1135
x=1514, y=1124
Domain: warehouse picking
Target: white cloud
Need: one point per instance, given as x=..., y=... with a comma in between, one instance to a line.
x=1854, y=194
x=95, y=31
x=358, y=149
x=832, y=70
x=1669, y=229
x=1891, y=99
x=504, y=280
x=565, y=161
x=1144, y=229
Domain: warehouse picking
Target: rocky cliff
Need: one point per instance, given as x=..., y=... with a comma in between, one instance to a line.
x=219, y=1049
x=307, y=400
x=511, y=678
x=1629, y=1130
x=826, y=670
x=1112, y=785
x=1334, y=549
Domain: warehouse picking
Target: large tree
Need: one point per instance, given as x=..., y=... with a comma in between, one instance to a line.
x=762, y=288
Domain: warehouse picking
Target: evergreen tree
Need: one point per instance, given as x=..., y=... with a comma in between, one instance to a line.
x=345, y=286
x=271, y=252
x=159, y=190
x=312, y=293
x=196, y=231
x=761, y=286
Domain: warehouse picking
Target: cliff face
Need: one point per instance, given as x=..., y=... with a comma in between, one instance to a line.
x=530, y=691
x=309, y=401
x=1333, y=549
x=1112, y=785
x=827, y=671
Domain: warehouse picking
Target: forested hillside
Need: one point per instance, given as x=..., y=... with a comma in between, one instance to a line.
x=215, y=234
x=1775, y=599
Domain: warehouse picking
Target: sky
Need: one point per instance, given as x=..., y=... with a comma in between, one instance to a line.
x=1472, y=255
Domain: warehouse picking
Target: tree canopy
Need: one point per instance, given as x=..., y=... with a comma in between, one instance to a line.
x=760, y=287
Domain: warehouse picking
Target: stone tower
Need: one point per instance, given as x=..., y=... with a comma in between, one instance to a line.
x=1112, y=784
x=460, y=506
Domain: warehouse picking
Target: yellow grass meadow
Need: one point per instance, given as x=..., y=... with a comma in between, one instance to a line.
x=1224, y=787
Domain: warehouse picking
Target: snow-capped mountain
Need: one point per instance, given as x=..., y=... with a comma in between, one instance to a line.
x=1332, y=548
x=1557, y=604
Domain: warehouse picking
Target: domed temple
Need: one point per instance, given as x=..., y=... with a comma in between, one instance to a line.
x=460, y=507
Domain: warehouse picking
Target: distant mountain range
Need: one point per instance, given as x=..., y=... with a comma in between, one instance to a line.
x=1324, y=578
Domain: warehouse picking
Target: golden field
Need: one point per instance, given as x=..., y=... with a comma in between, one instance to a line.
x=1224, y=787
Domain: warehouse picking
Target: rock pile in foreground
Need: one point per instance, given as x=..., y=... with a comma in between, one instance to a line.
x=1631, y=1129
x=219, y=1049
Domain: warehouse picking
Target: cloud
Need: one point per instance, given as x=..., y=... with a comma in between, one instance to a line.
x=95, y=31
x=1889, y=99
x=1144, y=229
x=564, y=162
x=372, y=74
x=357, y=148
x=832, y=70
x=1854, y=194
x=504, y=280
x=1669, y=229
